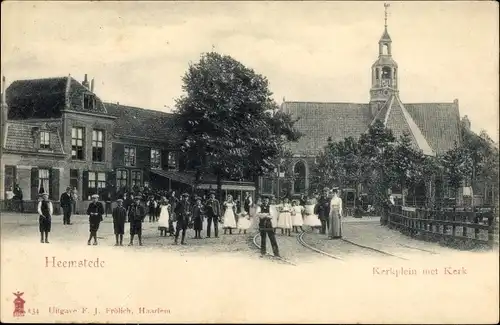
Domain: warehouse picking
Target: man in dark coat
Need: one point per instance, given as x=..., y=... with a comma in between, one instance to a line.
x=66, y=205
x=322, y=209
x=197, y=218
x=266, y=229
x=183, y=215
x=213, y=213
x=136, y=215
x=247, y=203
x=18, y=197
x=119, y=218
x=95, y=212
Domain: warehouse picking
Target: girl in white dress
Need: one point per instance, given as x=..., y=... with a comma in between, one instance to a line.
x=285, y=218
x=274, y=213
x=297, y=218
x=311, y=219
x=243, y=222
x=229, y=219
x=164, y=217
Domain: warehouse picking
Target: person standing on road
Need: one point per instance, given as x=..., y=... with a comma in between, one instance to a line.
x=183, y=214
x=66, y=205
x=197, y=217
x=247, y=203
x=173, y=204
x=229, y=219
x=322, y=209
x=119, y=217
x=266, y=229
x=136, y=215
x=45, y=211
x=18, y=196
x=95, y=212
x=335, y=216
x=164, y=220
x=213, y=213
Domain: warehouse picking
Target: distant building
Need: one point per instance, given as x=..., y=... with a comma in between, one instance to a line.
x=433, y=127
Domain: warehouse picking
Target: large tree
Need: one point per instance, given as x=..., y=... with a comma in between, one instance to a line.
x=232, y=127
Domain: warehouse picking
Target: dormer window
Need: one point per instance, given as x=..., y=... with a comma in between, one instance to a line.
x=88, y=101
x=44, y=140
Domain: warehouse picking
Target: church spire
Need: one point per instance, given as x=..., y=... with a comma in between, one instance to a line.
x=385, y=39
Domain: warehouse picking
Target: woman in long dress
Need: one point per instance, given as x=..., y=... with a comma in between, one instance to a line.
x=285, y=218
x=163, y=221
x=335, y=230
x=229, y=219
x=311, y=219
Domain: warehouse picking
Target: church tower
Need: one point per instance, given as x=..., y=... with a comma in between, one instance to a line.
x=384, y=72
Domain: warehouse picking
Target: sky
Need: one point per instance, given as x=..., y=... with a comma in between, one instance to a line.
x=309, y=51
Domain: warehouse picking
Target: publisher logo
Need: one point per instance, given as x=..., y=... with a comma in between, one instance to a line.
x=19, y=305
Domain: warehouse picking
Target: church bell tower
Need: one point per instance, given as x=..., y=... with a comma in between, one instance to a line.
x=384, y=72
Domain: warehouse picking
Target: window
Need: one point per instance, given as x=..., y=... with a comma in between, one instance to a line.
x=88, y=101
x=97, y=180
x=136, y=178
x=10, y=177
x=155, y=158
x=97, y=145
x=43, y=181
x=44, y=140
x=129, y=156
x=73, y=178
x=386, y=73
x=172, y=160
x=121, y=179
x=77, y=143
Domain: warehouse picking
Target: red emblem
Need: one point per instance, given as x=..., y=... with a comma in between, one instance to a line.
x=19, y=304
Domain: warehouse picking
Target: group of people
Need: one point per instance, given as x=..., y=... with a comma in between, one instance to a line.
x=323, y=213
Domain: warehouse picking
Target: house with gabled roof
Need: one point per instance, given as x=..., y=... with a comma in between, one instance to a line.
x=56, y=132
x=433, y=128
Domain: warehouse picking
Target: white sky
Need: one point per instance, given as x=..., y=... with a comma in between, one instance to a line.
x=309, y=51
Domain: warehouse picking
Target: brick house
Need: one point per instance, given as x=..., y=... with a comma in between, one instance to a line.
x=433, y=127
x=56, y=132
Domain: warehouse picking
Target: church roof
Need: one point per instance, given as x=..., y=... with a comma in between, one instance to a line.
x=47, y=98
x=319, y=121
x=433, y=127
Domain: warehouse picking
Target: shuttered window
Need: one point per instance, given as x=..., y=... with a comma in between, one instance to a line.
x=44, y=181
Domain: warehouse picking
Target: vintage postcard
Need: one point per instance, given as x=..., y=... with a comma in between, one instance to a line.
x=237, y=162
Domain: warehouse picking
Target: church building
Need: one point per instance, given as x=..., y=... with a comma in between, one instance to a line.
x=433, y=127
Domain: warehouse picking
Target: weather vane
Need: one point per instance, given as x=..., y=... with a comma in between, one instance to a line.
x=386, y=5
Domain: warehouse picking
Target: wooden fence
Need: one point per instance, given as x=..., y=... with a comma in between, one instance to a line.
x=451, y=226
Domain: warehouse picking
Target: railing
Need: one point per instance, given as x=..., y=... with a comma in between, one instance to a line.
x=463, y=228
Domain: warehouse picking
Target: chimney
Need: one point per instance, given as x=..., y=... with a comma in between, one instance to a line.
x=92, y=85
x=85, y=82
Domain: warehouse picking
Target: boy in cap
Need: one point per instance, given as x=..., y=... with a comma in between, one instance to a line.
x=119, y=218
x=45, y=210
x=136, y=215
x=95, y=212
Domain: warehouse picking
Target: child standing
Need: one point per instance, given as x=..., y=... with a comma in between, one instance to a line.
x=164, y=219
x=151, y=204
x=285, y=218
x=229, y=215
x=197, y=217
x=297, y=219
x=310, y=218
x=119, y=217
x=243, y=222
x=45, y=211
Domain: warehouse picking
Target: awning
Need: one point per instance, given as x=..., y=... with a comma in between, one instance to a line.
x=175, y=176
x=189, y=179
